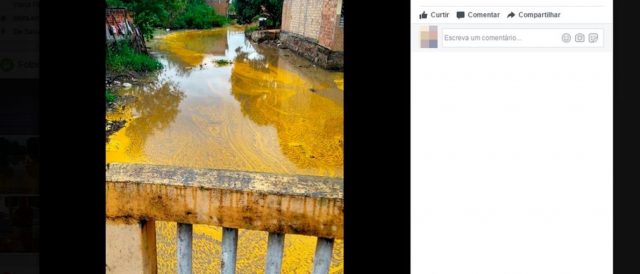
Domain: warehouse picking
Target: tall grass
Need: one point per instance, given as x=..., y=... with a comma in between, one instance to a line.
x=122, y=58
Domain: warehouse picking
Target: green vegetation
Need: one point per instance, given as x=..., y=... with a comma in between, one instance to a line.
x=121, y=58
x=222, y=62
x=173, y=14
x=250, y=29
x=110, y=97
x=249, y=10
x=199, y=16
x=232, y=9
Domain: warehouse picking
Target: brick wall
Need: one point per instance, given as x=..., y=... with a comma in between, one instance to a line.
x=220, y=6
x=329, y=28
x=311, y=28
x=285, y=22
x=311, y=50
x=338, y=39
x=302, y=17
x=316, y=20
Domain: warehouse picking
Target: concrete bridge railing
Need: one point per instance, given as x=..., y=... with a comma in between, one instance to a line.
x=278, y=204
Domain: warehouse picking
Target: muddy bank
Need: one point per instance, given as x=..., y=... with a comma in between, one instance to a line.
x=114, y=84
x=119, y=104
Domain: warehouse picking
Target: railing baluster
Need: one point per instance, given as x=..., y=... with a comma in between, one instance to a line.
x=243, y=200
x=275, y=249
x=322, y=259
x=229, y=247
x=185, y=238
x=149, y=252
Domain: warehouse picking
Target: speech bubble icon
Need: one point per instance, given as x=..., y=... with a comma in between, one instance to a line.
x=460, y=14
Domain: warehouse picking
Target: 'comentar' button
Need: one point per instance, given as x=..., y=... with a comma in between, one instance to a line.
x=484, y=15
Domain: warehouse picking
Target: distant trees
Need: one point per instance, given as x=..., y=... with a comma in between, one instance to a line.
x=175, y=14
x=248, y=11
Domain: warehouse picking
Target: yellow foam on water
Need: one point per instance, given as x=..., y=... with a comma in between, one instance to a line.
x=298, y=254
x=276, y=122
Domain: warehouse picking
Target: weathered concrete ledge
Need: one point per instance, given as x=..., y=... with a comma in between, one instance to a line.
x=259, y=36
x=312, y=51
x=307, y=205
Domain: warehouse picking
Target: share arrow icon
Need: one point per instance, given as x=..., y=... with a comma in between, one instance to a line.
x=511, y=15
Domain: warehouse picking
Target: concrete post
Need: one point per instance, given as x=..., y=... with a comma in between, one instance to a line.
x=275, y=250
x=322, y=259
x=149, y=252
x=229, y=247
x=185, y=237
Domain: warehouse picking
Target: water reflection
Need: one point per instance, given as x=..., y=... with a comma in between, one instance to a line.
x=172, y=63
x=309, y=126
x=269, y=111
x=154, y=108
x=189, y=48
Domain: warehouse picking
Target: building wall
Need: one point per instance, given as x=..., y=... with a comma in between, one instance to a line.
x=330, y=31
x=117, y=20
x=220, y=6
x=302, y=17
x=115, y=16
x=314, y=52
x=338, y=39
x=119, y=25
x=316, y=20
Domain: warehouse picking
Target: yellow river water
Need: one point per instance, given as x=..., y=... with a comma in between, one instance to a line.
x=268, y=111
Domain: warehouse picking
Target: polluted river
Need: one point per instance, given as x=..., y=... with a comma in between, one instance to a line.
x=222, y=102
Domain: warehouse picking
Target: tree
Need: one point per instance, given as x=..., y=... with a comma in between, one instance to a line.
x=149, y=14
x=248, y=10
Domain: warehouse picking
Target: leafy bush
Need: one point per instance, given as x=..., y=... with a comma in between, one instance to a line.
x=248, y=11
x=110, y=97
x=250, y=29
x=199, y=16
x=175, y=14
x=121, y=57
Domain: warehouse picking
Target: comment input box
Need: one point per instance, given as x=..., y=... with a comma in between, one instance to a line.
x=522, y=38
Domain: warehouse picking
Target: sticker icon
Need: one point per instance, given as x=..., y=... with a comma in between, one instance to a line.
x=593, y=37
